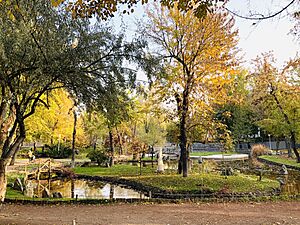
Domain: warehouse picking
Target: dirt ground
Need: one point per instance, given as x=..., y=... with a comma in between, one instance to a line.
x=155, y=214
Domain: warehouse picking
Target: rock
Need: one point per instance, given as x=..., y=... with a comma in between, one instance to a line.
x=283, y=170
x=57, y=195
x=18, y=185
x=227, y=171
x=281, y=181
x=86, y=164
x=46, y=193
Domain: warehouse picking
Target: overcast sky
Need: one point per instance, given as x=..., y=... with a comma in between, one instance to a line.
x=268, y=35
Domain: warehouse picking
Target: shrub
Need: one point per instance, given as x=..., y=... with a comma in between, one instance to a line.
x=98, y=156
x=53, y=151
x=258, y=150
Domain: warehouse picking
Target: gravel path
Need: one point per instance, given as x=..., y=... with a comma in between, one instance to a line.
x=153, y=214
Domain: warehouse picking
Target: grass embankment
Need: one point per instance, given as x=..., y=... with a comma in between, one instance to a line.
x=115, y=171
x=209, y=153
x=193, y=183
x=211, y=182
x=281, y=160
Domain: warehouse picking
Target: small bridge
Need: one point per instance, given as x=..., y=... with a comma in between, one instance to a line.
x=42, y=168
x=42, y=171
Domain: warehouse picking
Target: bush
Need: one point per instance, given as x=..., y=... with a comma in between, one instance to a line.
x=98, y=156
x=258, y=150
x=53, y=151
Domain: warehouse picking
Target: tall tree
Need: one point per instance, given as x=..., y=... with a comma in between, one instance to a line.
x=277, y=97
x=199, y=56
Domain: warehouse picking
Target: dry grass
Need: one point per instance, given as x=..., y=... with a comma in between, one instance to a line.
x=258, y=150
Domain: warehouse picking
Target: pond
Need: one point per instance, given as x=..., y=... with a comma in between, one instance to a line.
x=81, y=189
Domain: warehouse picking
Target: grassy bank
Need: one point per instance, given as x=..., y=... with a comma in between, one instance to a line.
x=117, y=170
x=205, y=153
x=174, y=182
x=281, y=160
x=210, y=182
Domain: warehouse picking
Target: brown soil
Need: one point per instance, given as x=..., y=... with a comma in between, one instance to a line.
x=154, y=214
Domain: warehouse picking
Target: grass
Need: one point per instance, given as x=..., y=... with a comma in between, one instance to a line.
x=212, y=182
x=174, y=182
x=11, y=193
x=192, y=184
x=116, y=170
x=208, y=153
x=280, y=159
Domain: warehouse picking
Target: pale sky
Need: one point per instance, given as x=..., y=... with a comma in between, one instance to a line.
x=267, y=35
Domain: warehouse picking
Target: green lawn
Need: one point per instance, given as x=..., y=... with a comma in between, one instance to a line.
x=208, y=153
x=11, y=193
x=280, y=159
x=212, y=182
x=116, y=170
x=174, y=182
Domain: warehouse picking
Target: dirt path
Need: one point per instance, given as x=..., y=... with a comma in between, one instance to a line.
x=157, y=214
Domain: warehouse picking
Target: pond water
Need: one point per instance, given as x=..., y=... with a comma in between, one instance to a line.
x=82, y=189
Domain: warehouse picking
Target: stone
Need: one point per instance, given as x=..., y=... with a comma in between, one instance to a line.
x=18, y=185
x=57, y=195
x=283, y=170
x=227, y=171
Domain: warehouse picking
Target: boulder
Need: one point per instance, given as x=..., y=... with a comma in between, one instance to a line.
x=283, y=170
x=57, y=195
x=18, y=185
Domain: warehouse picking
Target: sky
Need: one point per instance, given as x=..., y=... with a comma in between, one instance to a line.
x=265, y=36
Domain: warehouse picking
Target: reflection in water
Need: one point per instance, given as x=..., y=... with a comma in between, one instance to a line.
x=82, y=189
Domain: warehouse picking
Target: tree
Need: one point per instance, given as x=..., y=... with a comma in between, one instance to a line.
x=277, y=97
x=106, y=9
x=238, y=114
x=43, y=49
x=50, y=124
x=198, y=54
x=151, y=119
x=95, y=128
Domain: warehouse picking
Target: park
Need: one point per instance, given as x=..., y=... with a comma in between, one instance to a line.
x=137, y=112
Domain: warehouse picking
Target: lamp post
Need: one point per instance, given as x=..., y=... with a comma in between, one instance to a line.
x=270, y=141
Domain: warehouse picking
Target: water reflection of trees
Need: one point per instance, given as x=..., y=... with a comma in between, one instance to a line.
x=84, y=189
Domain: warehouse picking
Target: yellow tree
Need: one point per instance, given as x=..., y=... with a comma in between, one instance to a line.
x=200, y=57
x=53, y=124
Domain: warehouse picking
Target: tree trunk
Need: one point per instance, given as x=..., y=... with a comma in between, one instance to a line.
x=111, y=147
x=179, y=170
x=294, y=147
x=288, y=146
x=119, y=135
x=3, y=180
x=183, y=136
x=13, y=159
x=73, y=139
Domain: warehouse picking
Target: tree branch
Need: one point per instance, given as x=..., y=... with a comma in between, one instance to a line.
x=262, y=17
